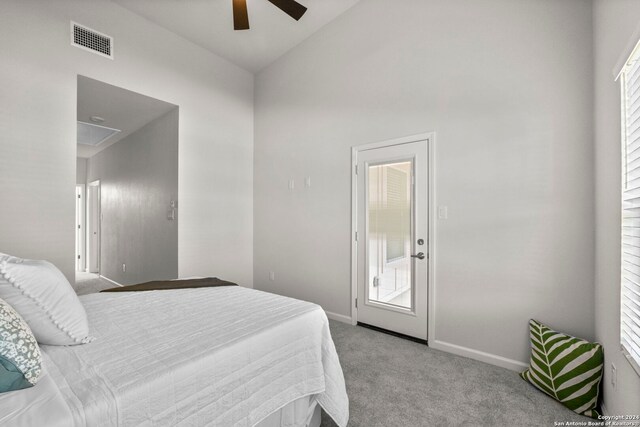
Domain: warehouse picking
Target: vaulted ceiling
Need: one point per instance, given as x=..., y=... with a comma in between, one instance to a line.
x=209, y=24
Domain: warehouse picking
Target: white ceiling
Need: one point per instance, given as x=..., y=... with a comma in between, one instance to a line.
x=209, y=23
x=122, y=109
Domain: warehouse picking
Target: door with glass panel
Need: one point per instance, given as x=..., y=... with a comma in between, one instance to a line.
x=392, y=238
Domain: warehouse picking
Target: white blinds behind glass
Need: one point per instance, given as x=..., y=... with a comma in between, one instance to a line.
x=630, y=292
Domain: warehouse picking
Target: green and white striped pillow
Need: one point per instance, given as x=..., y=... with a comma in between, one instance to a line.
x=566, y=368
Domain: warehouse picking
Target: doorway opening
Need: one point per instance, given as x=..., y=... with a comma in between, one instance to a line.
x=94, y=229
x=127, y=161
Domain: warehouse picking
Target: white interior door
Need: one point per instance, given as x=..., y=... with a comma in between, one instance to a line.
x=93, y=206
x=392, y=226
x=80, y=228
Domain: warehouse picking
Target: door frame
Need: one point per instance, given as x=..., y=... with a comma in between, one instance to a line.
x=94, y=184
x=430, y=137
x=81, y=241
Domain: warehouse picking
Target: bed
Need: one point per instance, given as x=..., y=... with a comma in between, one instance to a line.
x=226, y=356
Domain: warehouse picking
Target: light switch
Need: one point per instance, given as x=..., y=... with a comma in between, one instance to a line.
x=272, y=275
x=292, y=184
x=307, y=182
x=443, y=212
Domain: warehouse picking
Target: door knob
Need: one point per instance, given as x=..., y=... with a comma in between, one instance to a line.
x=419, y=255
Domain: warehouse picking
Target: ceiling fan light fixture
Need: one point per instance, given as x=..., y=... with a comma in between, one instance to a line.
x=241, y=14
x=290, y=7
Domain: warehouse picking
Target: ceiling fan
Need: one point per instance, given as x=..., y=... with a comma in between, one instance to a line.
x=241, y=16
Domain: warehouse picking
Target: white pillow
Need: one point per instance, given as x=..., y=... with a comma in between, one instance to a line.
x=41, y=294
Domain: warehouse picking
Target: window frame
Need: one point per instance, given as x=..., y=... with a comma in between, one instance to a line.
x=625, y=178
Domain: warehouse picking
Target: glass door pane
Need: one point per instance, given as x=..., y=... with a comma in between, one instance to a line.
x=389, y=212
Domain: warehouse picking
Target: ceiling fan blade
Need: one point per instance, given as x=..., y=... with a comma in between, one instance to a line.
x=240, y=15
x=291, y=8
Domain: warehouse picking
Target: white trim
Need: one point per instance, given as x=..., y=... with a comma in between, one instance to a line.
x=431, y=243
x=626, y=346
x=81, y=265
x=430, y=137
x=390, y=142
x=630, y=359
x=492, y=359
x=88, y=254
x=354, y=242
x=632, y=45
x=109, y=280
x=338, y=317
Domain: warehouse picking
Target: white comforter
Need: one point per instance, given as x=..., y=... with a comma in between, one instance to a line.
x=227, y=356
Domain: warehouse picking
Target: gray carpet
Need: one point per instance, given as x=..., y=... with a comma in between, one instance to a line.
x=395, y=382
x=89, y=283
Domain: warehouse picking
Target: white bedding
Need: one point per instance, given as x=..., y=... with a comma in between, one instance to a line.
x=226, y=356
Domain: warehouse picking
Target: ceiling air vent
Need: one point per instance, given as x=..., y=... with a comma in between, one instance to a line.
x=94, y=135
x=91, y=40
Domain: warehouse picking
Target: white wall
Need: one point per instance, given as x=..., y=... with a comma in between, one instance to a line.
x=38, y=121
x=81, y=171
x=138, y=180
x=615, y=22
x=507, y=87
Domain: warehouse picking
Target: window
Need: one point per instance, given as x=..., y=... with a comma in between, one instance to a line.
x=398, y=202
x=630, y=277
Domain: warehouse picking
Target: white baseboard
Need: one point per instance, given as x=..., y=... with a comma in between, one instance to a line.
x=109, y=280
x=338, y=317
x=492, y=359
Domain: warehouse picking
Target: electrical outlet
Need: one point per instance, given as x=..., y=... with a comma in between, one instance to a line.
x=272, y=275
x=124, y=268
x=307, y=182
x=614, y=376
